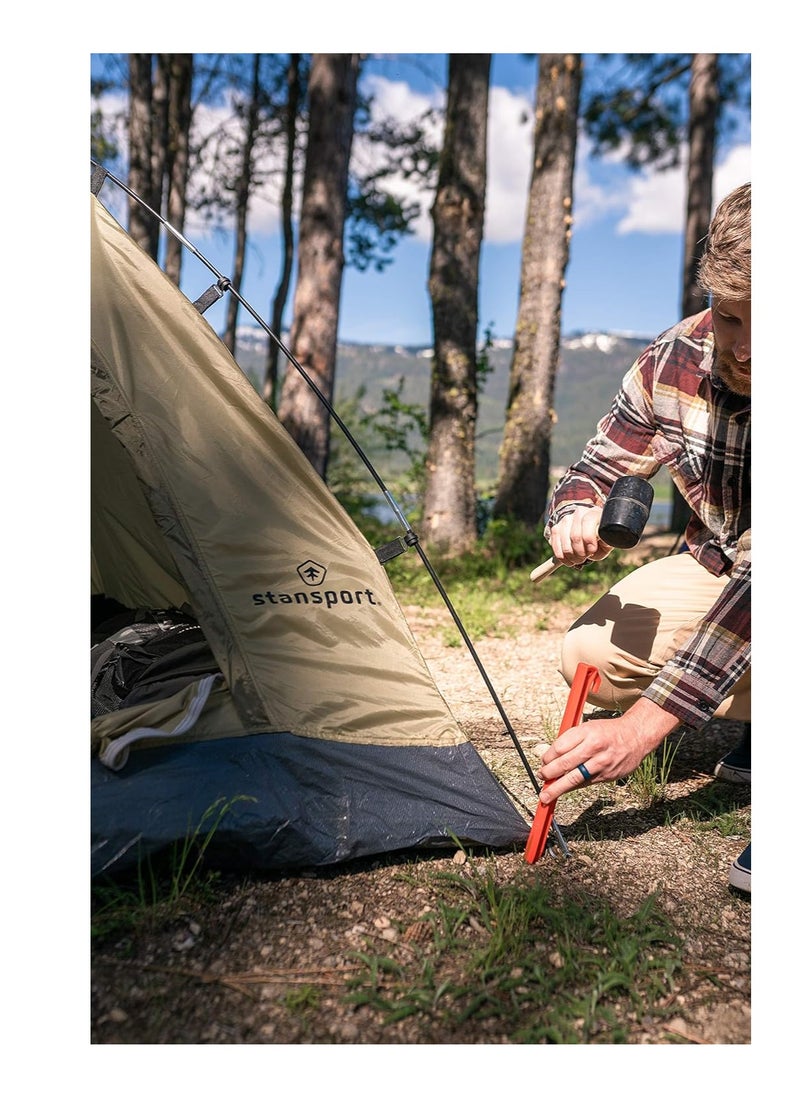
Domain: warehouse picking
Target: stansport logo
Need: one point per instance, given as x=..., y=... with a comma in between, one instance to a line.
x=314, y=574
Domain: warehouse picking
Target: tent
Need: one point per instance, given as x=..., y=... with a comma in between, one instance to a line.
x=303, y=727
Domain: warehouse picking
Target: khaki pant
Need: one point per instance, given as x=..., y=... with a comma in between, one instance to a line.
x=639, y=625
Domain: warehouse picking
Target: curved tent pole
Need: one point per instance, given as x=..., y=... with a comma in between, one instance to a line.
x=410, y=539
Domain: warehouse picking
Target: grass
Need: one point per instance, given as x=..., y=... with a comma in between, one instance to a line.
x=157, y=889
x=648, y=783
x=716, y=807
x=528, y=962
x=493, y=579
x=498, y=566
x=545, y=968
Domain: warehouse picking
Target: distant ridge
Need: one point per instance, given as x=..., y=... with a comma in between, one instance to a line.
x=254, y=338
x=591, y=367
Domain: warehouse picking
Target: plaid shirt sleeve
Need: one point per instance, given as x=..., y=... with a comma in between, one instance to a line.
x=702, y=673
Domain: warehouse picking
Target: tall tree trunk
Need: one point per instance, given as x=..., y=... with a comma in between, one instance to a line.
x=524, y=476
x=704, y=105
x=287, y=201
x=159, y=134
x=332, y=102
x=180, y=120
x=243, y=186
x=142, y=227
x=448, y=512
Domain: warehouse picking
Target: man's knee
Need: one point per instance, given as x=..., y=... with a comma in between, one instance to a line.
x=623, y=675
x=574, y=650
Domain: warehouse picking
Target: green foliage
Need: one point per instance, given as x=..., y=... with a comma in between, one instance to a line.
x=377, y=218
x=376, y=223
x=483, y=365
x=302, y=999
x=397, y=428
x=639, y=104
x=495, y=574
x=557, y=969
x=648, y=782
x=104, y=147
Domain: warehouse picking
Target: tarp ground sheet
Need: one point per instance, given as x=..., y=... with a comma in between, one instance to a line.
x=324, y=737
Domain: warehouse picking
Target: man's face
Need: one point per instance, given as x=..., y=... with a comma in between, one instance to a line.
x=731, y=320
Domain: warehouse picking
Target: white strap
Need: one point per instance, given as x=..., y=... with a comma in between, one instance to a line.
x=114, y=754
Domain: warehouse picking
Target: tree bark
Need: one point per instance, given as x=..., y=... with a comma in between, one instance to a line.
x=270, y=393
x=524, y=470
x=332, y=101
x=181, y=69
x=143, y=227
x=243, y=187
x=448, y=512
x=704, y=107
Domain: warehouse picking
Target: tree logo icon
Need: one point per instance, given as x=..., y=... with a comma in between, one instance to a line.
x=312, y=574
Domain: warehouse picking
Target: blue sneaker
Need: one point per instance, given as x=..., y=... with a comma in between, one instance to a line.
x=739, y=875
x=735, y=766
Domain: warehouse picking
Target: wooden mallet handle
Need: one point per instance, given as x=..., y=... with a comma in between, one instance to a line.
x=622, y=522
x=543, y=570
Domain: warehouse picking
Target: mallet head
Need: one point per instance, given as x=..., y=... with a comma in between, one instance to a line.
x=626, y=512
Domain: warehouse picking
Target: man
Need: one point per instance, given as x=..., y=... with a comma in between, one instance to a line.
x=671, y=640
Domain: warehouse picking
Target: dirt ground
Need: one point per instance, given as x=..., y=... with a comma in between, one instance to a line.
x=221, y=975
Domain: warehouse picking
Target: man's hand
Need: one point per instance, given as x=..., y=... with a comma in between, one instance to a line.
x=608, y=748
x=574, y=539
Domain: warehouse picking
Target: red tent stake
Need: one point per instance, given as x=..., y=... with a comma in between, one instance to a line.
x=586, y=678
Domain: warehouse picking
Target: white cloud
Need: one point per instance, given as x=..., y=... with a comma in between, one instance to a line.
x=734, y=170
x=656, y=203
x=509, y=157
x=594, y=200
x=657, y=200
x=395, y=99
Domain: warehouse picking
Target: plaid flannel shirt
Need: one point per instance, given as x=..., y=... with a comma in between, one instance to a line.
x=671, y=411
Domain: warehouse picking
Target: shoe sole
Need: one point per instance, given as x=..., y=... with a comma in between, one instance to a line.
x=739, y=878
x=731, y=774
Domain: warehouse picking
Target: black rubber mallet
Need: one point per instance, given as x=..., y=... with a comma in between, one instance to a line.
x=622, y=522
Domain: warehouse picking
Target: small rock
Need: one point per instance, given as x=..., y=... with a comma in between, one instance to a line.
x=679, y=1026
x=348, y=1031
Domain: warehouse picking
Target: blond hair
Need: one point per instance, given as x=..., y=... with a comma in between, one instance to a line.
x=724, y=270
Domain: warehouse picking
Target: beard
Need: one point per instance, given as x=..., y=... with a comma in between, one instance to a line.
x=733, y=373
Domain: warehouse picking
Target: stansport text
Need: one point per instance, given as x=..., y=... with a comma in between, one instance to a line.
x=329, y=598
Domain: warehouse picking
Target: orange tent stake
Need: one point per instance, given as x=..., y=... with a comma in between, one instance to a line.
x=586, y=678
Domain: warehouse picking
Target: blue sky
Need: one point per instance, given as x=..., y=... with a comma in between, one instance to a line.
x=625, y=263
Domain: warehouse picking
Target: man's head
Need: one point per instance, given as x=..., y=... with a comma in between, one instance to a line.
x=725, y=274
x=725, y=266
